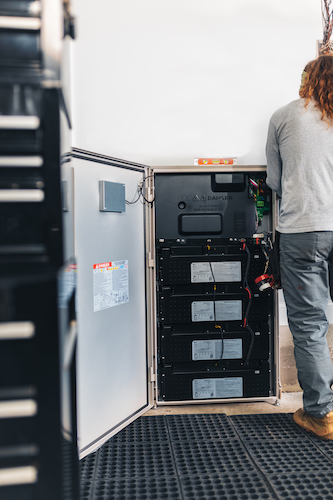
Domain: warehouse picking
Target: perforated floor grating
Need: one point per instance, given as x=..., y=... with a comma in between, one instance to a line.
x=215, y=457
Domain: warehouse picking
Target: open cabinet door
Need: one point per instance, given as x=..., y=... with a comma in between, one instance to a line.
x=110, y=251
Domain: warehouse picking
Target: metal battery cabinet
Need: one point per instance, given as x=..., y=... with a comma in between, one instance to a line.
x=194, y=328
x=215, y=332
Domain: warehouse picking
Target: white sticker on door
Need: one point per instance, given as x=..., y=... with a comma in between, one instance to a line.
x=110, y=284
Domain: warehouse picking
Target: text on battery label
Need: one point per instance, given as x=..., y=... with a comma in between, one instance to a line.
x=228, y=387
x=212, y=349
x=219, y=272
x=228, y=310
x=221, y=310
x=202, y=311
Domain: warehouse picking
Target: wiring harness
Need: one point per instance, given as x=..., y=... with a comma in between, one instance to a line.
x=140, y=193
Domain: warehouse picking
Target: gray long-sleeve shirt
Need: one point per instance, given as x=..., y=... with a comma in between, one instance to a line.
x=300, y=167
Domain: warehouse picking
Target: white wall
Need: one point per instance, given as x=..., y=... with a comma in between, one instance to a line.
x=162, y=83
x=165, y=82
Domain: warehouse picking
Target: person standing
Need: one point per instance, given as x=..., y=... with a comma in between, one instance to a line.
x=300, y=170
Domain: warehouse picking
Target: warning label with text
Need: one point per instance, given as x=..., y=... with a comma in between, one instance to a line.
x=110, y=284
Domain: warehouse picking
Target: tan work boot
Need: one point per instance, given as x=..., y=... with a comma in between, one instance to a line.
x=321, y=427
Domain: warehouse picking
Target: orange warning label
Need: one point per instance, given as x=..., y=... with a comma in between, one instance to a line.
x=215, y=161
x=104, y=264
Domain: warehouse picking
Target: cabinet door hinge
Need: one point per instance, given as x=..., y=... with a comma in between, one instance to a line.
x=150, y=261
x=152, y=375
x=150, y=194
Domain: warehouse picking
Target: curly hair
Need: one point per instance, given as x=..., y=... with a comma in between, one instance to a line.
x=318, y=85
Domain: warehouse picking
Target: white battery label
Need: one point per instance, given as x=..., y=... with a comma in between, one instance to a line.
x=229, y=387
x=212, y=349
x=225, y=310
x=222, y=272
x=201, y=272
x=228, y=310
x=202, y=311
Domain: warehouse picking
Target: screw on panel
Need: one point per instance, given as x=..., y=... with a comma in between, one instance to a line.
x=277, y=402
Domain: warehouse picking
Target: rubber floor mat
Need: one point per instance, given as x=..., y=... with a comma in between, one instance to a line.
x=215, y=457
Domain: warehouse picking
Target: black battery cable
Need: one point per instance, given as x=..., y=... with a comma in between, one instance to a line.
x=140, y=192
x=217, y=326
x=247, y=288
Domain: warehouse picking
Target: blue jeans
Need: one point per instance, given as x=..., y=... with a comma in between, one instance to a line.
x=306, y=261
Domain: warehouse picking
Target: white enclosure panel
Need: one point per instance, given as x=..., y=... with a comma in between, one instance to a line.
x=162, y=83
x=112, y=361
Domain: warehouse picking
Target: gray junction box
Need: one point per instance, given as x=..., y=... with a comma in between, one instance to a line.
x=168, y=311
